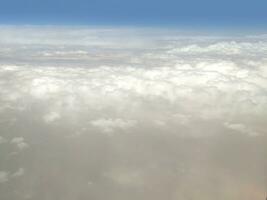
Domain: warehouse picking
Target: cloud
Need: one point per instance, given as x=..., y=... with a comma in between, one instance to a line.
x=138, y=113
x=205, y=90
x=18, y=173
x=19, y=142
x=223, y=48
x=3, y=176
x=51, y=117
x=2, y=140
x=126, y=177
x=241, y=128
x=109, y=125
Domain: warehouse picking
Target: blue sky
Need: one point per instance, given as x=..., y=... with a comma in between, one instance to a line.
x=242, y=13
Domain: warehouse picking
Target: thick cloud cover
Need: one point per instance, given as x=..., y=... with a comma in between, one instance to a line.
x=130, y=113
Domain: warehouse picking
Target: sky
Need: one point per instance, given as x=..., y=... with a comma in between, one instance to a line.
x=208, y=13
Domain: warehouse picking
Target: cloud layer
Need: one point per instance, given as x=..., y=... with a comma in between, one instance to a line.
x=132, y=113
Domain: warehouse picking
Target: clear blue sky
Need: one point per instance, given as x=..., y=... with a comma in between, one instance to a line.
x=244, y=13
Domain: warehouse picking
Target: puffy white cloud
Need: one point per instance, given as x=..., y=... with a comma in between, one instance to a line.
x=204, y=90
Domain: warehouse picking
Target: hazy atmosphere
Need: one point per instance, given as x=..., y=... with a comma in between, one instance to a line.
x=117, y=113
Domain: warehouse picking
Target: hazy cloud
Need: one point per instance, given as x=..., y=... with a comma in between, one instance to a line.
x=51, y=117
x=19, y=142
x=108, y=125
x=3, y=176
x=132, y=113
x=18, y=173
x=241, y=128
x=2, y=140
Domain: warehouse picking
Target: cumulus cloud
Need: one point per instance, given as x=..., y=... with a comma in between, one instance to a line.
x=206, y=90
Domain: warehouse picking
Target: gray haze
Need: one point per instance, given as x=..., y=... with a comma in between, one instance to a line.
x=132, y=114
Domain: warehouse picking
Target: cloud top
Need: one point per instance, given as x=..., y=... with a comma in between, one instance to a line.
x=117, y=113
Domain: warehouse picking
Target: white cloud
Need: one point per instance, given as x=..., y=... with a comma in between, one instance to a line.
x=109, y=125
x=207, y=90
x=204, y=85
x=51, y=117
x=177, y=98
x=5, y=176
x=19, y=142
x=41, y=87
x=222, y=48
x=241, y=128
